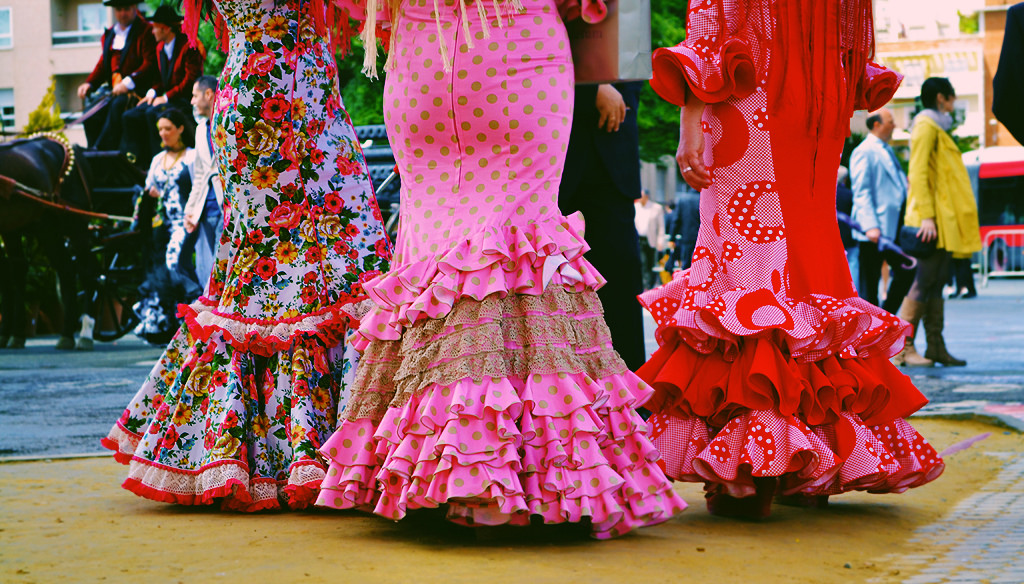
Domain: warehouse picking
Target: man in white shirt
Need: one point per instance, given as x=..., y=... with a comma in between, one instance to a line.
x=203, y=215
x=127, y=65
x=650, y=226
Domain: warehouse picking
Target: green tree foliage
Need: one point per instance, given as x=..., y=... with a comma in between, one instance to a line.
x=658, y=119
x=214, y=62
x=363, y=97
x=46, y=117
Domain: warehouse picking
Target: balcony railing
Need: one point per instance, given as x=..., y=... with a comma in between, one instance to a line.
x=77, y=37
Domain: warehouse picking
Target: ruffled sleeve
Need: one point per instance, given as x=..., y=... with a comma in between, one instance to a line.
x=590, y=11
x=877, y=87
x=713, y=68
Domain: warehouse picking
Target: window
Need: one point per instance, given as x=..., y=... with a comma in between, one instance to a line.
x=91, y=17
x=6, y=38
x=6, y=108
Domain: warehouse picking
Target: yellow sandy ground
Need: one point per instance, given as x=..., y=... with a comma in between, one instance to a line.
x=69, y=521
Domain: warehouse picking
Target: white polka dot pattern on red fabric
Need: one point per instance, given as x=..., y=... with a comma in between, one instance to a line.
x=731, y=251
x=743, y=216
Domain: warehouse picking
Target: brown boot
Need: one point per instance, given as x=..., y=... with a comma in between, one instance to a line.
x=934, y=322
x=911, y=311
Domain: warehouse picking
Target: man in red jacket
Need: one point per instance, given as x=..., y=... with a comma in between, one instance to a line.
x=178, y=66
x=127, y=67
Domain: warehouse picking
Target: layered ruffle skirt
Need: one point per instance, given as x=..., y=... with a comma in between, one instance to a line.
x=488, y=384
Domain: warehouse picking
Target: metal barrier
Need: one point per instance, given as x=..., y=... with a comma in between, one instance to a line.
x=1002, y=253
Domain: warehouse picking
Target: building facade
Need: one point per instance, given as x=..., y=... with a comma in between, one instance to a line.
x=44, y=39
x=958, y=39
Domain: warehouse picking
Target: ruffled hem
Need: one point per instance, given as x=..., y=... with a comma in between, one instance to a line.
x=496, y=261
x=227, y=482
x=876, y=87
x=265, y=337
x=712, y=77
x=828, y=459
x=591, y=11
x=814, y=327
x=122, y=441
x=759, y=375
x=562, y=446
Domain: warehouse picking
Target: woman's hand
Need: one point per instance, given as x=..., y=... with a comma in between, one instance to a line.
x=928, y=231
x=690, y=155
x=153, y=192
x=611, y=107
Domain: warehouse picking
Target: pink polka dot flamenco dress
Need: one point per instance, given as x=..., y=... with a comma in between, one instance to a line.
x=488, y=383
x=773, y=377
x=235, y=410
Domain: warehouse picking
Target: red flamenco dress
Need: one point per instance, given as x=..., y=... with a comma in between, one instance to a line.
x=772, y=376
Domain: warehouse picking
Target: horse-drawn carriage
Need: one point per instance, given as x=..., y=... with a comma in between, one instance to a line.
x=78, y=205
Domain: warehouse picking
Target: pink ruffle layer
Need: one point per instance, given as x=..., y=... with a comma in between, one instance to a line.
x=562, y=446
x=499, y=260
x=814, y=327
x=829, y=459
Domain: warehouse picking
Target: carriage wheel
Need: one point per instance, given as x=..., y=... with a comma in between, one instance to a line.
x=116, y=290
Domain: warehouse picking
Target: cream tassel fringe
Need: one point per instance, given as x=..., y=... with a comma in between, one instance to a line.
x=502, y=9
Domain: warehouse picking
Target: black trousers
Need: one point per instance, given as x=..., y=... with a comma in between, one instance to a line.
x=103, y=129
x=870, y=271
x=932, y=275
x=611, y=235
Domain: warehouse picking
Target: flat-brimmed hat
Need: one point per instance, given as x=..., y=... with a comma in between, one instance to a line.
x=120, y=3
x=166, y=16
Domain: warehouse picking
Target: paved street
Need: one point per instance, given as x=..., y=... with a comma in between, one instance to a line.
x=55, y=403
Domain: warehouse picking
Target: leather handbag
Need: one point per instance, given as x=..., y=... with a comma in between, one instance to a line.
x=912, y=245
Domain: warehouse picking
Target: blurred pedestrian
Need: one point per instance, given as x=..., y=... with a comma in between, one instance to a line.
x=168, y=279
x=650, y=227
x=844, y=205
x=941, y=205
x=204, y=219
x=601, y=177
x=961, y=277
x=879, y=190
x=682, y=227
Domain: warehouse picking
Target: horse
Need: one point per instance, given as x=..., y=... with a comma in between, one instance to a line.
x=38, y=191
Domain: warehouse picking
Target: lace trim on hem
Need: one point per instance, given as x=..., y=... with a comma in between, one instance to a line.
x=329, y=324
x=228, y=480
x=122, y=441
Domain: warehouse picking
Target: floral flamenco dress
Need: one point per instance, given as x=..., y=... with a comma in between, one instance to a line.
x=772, y=375
x=253, y=382
x=487, y=381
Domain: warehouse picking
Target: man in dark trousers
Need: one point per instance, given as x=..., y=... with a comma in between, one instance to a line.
x=1008, y=85
x=178, y=66
x=127, y=65
x=602, y=179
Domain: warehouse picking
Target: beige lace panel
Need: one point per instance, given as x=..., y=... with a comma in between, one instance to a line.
x=391, y=372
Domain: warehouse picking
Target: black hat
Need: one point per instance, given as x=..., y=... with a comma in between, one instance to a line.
x=120, y=3
x=166, y=16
